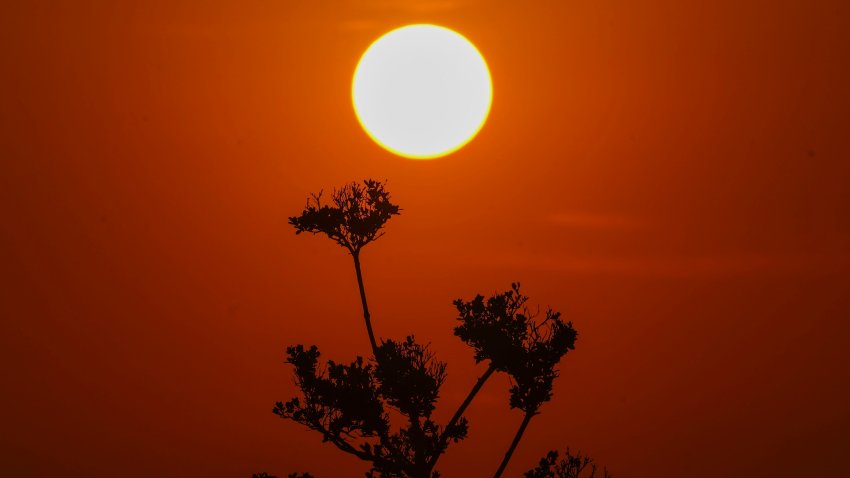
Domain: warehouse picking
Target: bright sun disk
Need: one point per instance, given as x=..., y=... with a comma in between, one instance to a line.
x=422, y=91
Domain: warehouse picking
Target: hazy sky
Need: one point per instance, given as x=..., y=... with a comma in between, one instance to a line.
x=672, y=176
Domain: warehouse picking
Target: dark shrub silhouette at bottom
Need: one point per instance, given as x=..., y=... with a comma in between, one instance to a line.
x=350, y=404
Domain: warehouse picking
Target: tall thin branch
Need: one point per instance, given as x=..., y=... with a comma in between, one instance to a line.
x=366, y=316
x=526, y=419
x=444, y=437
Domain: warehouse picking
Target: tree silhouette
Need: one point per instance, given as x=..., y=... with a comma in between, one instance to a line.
x=355, y=217
x=502, y=331
x=570, y=466
x=350, y=405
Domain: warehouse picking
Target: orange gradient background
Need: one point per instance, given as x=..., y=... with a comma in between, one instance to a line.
x=673, y=176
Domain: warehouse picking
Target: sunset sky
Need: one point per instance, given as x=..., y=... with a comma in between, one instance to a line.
x=673, y=176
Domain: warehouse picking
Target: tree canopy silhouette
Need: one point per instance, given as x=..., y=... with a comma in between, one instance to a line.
x=356, y=217
x=570, y=466
x=350, y=404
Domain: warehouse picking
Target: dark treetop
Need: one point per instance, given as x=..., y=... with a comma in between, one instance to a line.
x=354, y=218
x=350, y=405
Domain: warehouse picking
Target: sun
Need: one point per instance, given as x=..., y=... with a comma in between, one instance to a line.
x=422, y=91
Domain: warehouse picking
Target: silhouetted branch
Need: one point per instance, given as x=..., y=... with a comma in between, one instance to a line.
x=345, y=403
x=517, y=437
x=340, y=402
x=494, y=328
x=409, y=376
x=410, y=379
x=570, y=466
x=502, y=330
x=366, y=316
x=457, y=420
x=355, y=217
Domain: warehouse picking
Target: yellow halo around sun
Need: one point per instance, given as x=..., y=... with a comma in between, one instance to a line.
x=422, y=91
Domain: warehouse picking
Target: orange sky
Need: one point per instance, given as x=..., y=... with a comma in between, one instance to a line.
x=671, y=175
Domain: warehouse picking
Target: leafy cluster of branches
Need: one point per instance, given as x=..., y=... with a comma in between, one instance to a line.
x=355, y=217
x=569, y=466
x=346, y=402
x=350, y=404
